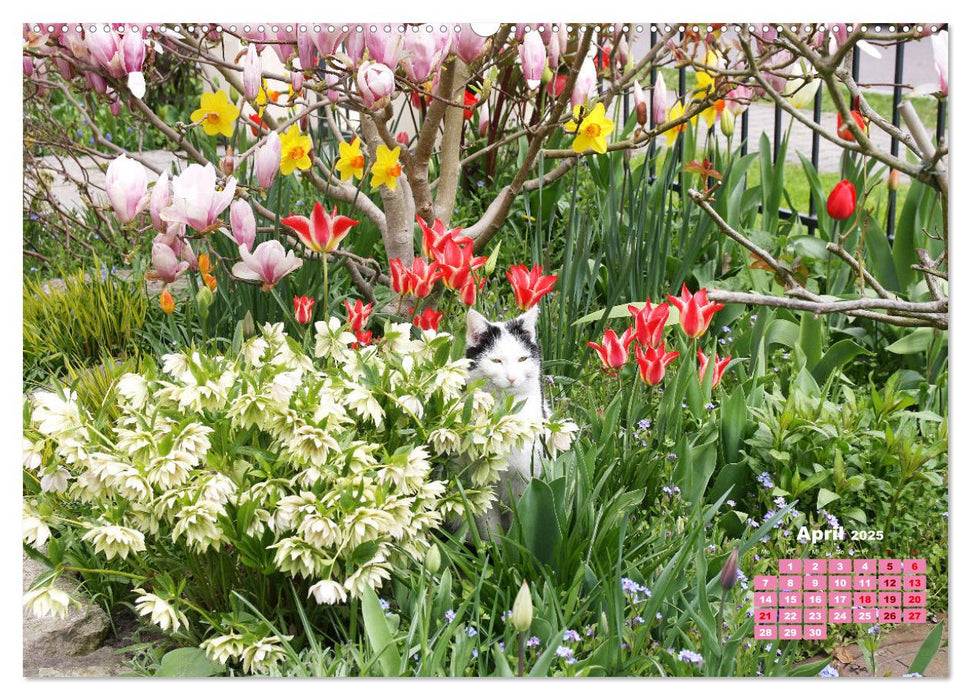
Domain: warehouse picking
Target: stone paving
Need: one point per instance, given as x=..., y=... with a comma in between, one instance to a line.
x=897, y=651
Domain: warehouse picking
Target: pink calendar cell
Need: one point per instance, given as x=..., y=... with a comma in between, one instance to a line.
x=790, y=600
x=766, y=583
x=790, y=616
x=814, y=582
x=839, y=616
x=814, y=600
x=864, y=566
x=814, y=632
x=889, y=615
x=840, y=599
x=888, y=599
x=915, y=566
x=864, y=599
x=865, y=615
x=915, y=583
x=840, y=582
x=915, y=615
x=890, y=566
x=840, y=566
x=766, y=599
x=790, y=566
x=790, y=583
x=914, y=600
x=865, y=583
x=814, y=566
x=765, y=632
x=766, y=616
x=890, y=583
x=814, y=616
x=790, y=632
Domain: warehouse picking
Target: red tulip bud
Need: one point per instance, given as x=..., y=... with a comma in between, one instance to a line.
x=842, y=201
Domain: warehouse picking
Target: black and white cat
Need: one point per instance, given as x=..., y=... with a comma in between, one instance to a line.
x=507, y=355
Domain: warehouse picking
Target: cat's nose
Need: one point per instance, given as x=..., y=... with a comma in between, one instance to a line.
x=512, y=380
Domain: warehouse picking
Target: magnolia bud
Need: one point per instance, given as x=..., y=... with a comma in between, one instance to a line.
x=641, y=111
x=490, y=78
x=228, y=163
x=522, y=610
x=727, y=122
x=249, y=327
x=730, y=571
x=433, y=559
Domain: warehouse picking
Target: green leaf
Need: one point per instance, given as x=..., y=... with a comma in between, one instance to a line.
x=621, y=311
x=502, y=664
x=188, y=662
x=379, y=633
x=916, y=342
x=838, y=355
x=927, y=650
x=542, y=666
x=825, y=496
x=536, y=515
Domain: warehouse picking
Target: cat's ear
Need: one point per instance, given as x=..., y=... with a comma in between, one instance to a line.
x=528, y=321
x=475, y=325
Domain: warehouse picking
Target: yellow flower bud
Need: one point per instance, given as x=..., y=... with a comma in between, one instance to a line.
x=433, y=559
x=727, y=122
x=522, y=610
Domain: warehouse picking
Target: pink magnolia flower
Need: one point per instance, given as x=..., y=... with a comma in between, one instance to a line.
x=268, y=160
x=166, y=265
x=355, y=47
x=243, y=224
x=322, y=232
x=104, y=47
x=424, y=53
x=532, y=59
x=288, y=38
x=161, y=198
x=659, y=103
x=252, y=73
x=268, y=264
x=585, y=84
x=640, y=104
x=375, y=82
x=939, y=45
x=305, y=48
x=468, y=45
x=195, y=200
x=386, y=47
x=126, y=183
x=738, y=99
x=325, y=40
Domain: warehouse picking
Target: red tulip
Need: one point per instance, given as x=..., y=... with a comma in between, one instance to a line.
x=843, y=130
x=556, y=85
x=696, y=311
x=651, y=362
x=428, y=320
x=468, y=291
x=841, y=202
x=364, y=338
x=257, y=125
x=357, y=315
x=720, y=365
x=303, y=309
x=456, y=262
x=433, y=237
x=529, y=286
x=470, y=102
x=403, y=138
x=322, y=232
x=649, y=323
x=613, y=352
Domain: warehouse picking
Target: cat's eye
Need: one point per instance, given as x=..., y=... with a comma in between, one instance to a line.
x=524, y=358
x=497, y=360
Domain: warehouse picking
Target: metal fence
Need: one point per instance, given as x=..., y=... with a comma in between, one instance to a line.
x=809, y=218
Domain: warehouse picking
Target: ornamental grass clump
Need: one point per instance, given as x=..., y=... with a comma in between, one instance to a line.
x=248, y=472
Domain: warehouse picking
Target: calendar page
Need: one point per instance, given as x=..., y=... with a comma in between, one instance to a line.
x=355, y=346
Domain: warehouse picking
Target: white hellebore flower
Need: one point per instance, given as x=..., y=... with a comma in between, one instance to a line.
x=48, y=602
x=328, y=593
x=32, y=454
x=35, y=530
x=115, y=540
x=161, y=612
x=134, y=389
x=55, y=415
x=225, y=647
x=262, y=654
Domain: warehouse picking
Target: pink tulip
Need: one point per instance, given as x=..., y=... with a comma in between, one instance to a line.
x=468, y=45
x=252, y=73
x=268, y=160
x=161, y=198
x=126, y=183
x=195, y=200
x=165, y=264
x=424, y=52
x=375, y=82
x=532, y=59
x=385, y=47
x=243, y=224
x=586, y=83
x=327, y=41
x=268, y=264
x=659, y=102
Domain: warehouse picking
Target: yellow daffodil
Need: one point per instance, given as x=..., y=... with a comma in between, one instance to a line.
x=703, y=81
x=387, y=168
x=676, y=112
x=265, y=96
x=713, y=112
x=351, y=162
x=216, y=113
x=591, y=131
x=295, y=150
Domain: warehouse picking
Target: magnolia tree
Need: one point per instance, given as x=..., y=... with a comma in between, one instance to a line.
x=383, y=122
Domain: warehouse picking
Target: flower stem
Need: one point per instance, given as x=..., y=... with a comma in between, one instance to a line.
x=326, y=299
x=522, y=654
